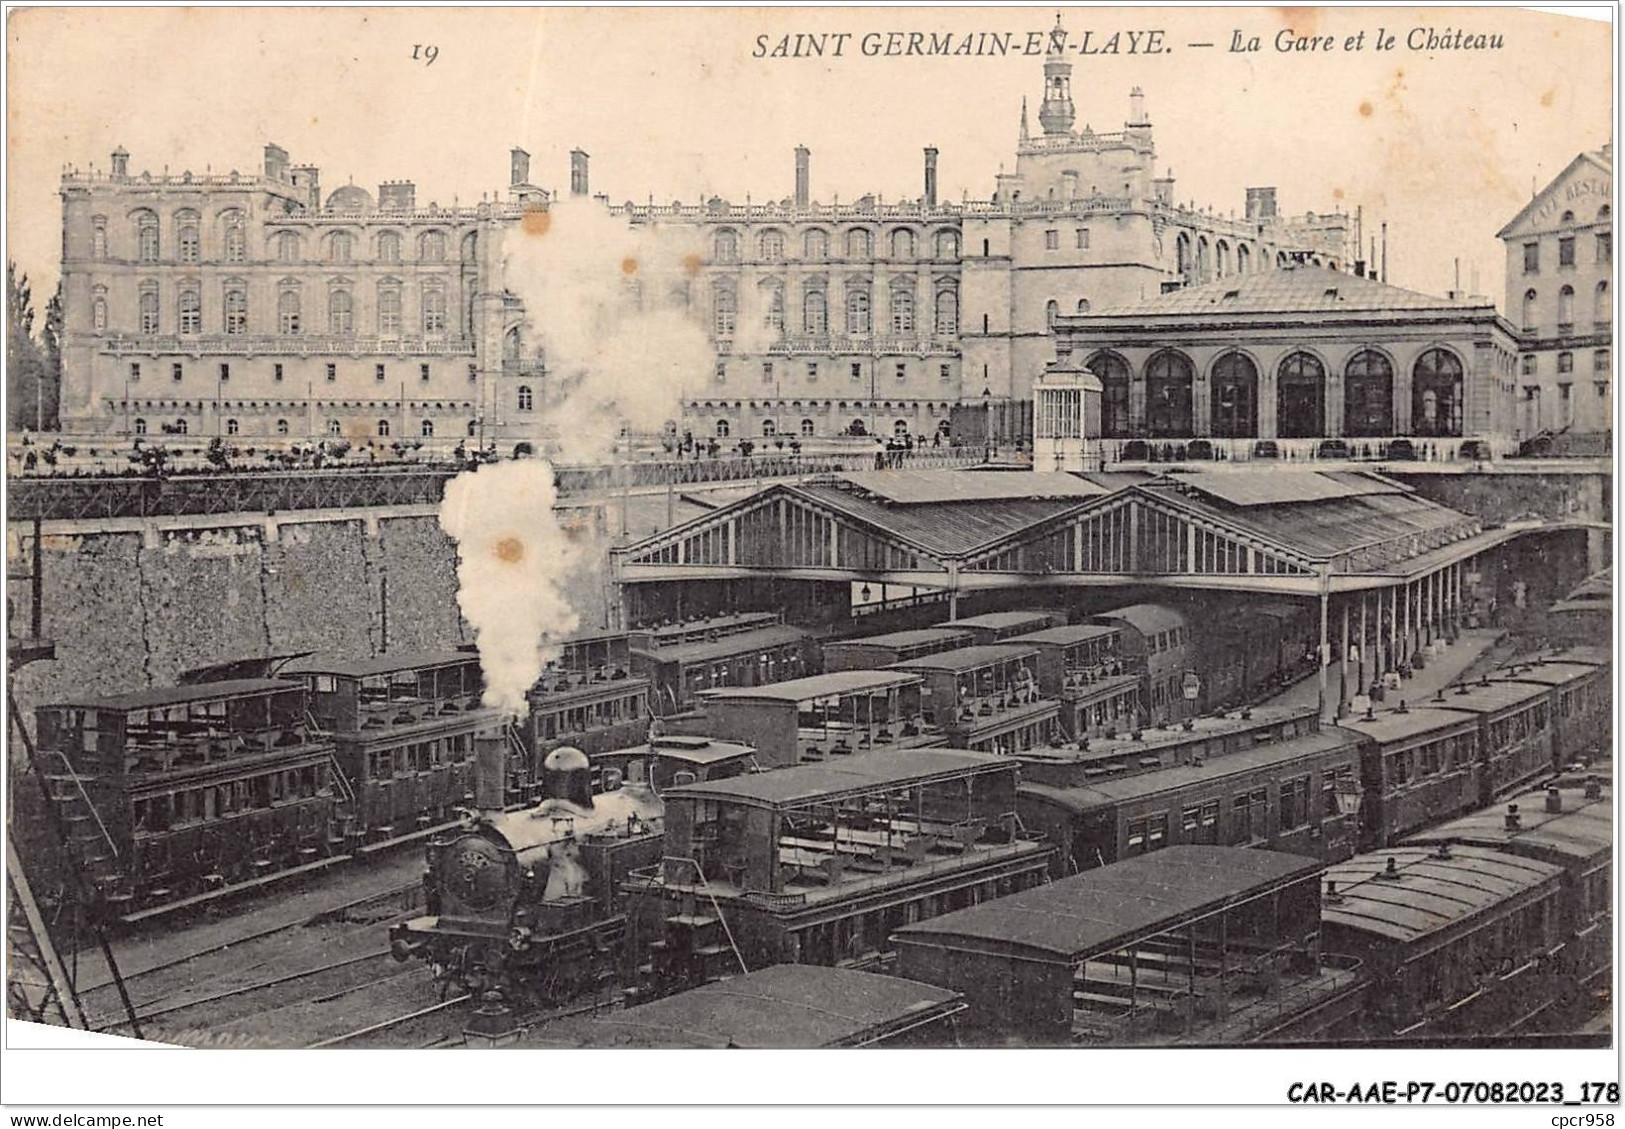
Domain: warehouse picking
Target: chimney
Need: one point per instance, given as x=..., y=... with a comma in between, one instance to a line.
x=930, y=176
x=397, y=196
x=309, y=178
x=1593, y=787
x=1331, y=891
x=518, y=167
x=490, y=774
x=567, y=775
x=1514, y=820
x=803, y=176
x=1554, y=800
x=578, y=173
x=276, y=163
x=121, y=163
x=1391, y=871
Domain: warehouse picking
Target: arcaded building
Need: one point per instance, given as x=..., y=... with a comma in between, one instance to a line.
x=1560, y=266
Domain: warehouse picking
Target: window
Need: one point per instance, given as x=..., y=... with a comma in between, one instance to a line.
x=389, y=309
x=945, y=372
x=814, y=313
x=902, y=243
x=1294, y=803
x=1437, y=394
x=767, y=372
x=146, y=236
x=859, y=244
x=1565, y=251
x=98, y=314
x=389, y=247
x=140, y=427
x=1529, y=311
x=770, y=246
x=287, y=246
x=236, y=309
x=332, y=371
x=432, y=246
x=722, y=429
x=340, y=313
x=1083, y=305
x=276, y=372
x=135, y=370
x=434, y=310
x=1602, y=309
x=1531, y=258
x=815, y=245
x=857, y=370
x=383, y=429
x=808, y=428
x=902, y=308
x=1249, y=814
x=947, y=312
x=426, y=429
x=1368, y=395
x=1082, y=236
x=379, y=372
x=857, y=311
x=1052, y=240
x=1052, y=310
x=225, y=371
x=1136, y=837
x=947, y=245
x=1600, y=361
x=722, y=372
x=191, y=311
x=899, y=427
x=1528, y=364
x=333, y=427
x=149, y=307
x=473, y=373
x=98, y=237
x=726, y=307
x=773, y=308
x=231, y=427
x=282, y=427
x=769, y=428
x=1565, y=362
x=180, y=427
x=727, y=246
x=1156, y=831
x=812, y=370
x=340, y=247
x=176, y=371
x=186, y=237
x=1565, y=308
x=1605, y=248
x=287, y=311
x=526, y=398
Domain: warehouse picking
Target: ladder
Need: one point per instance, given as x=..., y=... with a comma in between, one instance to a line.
x=38, y=987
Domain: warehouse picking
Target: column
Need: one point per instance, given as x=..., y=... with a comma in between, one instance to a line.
x=1343, y=671
x=1365, y=683
x=1393, y=629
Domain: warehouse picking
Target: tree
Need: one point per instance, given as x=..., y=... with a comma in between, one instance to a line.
x=51, y=344
x=25, y=364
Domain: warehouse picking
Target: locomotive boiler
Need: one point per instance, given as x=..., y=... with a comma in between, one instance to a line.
x=524, y=907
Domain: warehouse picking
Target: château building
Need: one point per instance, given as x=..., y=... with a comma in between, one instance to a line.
x=254, y=305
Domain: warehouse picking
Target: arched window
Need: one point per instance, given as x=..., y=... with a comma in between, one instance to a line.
x=473, y=427
x=1243, y=258
x=189, y=305
x=1604, y=213
x=340, y=313
x=432, y=246
x=1114, y=381
x=808, y=428
x=902, y=306
x=1222, y=258
x=98, y=237
x=340, y=247
x=1529, y=297
x=383, y=429
x=389, y=247
x=1083, y=305
x=859, y=244
x=1204, y=264
x=98, y=314
x=187, y=248
x=389, y=309
x=1436, y=394
x=856, y=427
x=235, y=305
x=1234, y=397
x=231, y=427
x=722, y=429
x=727, y=246
x=725, y=307
x=471, y=247
x=947, y=245
x=1052, y=310
x=334, y=428
x=1300, y=397
x=902, y=243
x=1168, y=381
x=236, y=235
x=770, y=246
x=1368, y=395
x=857, y=310
x=287, y=246
x=511, y=345
x=815, y=244
x=434, y=310
x=426, y=429
x=1565, y=308
x=1182, y=253
x=146, y=236
x=773, y=306
x=148, y=306
x=1602, y=310
x=899, y=427
x=282, y=427
x=287, y=311
x=140, y=426
x=180, y=427
x=814, y=313
x=947, y=312
x=527, y=399
x=769, y=427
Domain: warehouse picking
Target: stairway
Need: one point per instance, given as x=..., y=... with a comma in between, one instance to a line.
x=38, y=988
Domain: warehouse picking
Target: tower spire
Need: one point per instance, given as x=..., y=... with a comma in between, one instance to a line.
x=1056, y=113
x=1024, y=117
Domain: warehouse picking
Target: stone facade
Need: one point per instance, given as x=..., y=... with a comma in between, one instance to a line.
x=1560, y=266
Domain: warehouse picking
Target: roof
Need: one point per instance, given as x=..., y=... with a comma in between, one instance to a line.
x=785, y=1006
x=944, y=529
x=840, y=682
x=1249, y=488
x=863, y=772
x=1103, y=909
x=739, y=642
x=1581, y=831
x=914, y=487
x=740, y=620
x=1146, y=617
x=1431, y=892
x=998, y=620
x=1602, y=159
x=1294, y=288
x=690, y=750
x=1387, y=726
x=902, y=639
x=1131, y=786
x=1065, y=636
x=179, y=695
x=1547, y=673
x=1153, y=738
x=1489, y=698
x=967, y=658
x=390, y=663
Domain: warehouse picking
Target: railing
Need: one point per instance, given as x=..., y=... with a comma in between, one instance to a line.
x=283, y=345
x=1436, y=449
x=874, y=346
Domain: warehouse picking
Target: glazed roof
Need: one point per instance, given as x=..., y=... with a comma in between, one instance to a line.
x=1290, y=289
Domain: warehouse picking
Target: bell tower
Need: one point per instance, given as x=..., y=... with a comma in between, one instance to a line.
x=1056, y=113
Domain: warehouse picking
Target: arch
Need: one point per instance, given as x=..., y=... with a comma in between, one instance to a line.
x=947, y=320
x=432, y=247
x=947, y=244
x=1529, y=298
x=857, y=310
x=140, y=426
x=188, y=245
x=1244, y=258
x=234, y=306
x=808, y=429
x=234, y=232
x=860, y=244
x=1234, y=397
x=1083, y=305
x=526, y=398
x=282, y=427
x=511, y=344
x=857, y=427
x=814, y=313
x=470, y=247
x=383, y=429
x=902, y=305
x=1437, y=392
x=340, y=312
x=1168, y=383
x=426, y=429
x=1300, y=396
x=903, y=243
x=944, y=428
x=1280, y=258
x=1565, y=308
x=1113, y=373
x=725, y=246
x=815, y=243
x=473, y=428
x=1221, y=258
x=723, y=429
x=770, y=246
x=1204, y=261
x=1368, y=395
x=232, y=427
x=1182, y=253
x=146, y=234
x=389, y=247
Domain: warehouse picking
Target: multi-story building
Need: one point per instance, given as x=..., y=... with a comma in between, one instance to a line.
x=1560, y=264
x=255, y=306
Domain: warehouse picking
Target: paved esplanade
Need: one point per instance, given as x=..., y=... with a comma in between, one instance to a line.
x=1470, y=652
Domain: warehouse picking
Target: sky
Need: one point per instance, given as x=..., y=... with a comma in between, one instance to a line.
x=1444, y=145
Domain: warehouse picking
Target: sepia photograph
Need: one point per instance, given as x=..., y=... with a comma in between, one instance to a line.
x=945, y=529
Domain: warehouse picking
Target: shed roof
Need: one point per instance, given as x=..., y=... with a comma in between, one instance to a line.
x=836, y=683
x=1249, y=488
x=948, y=529
x=1431, y=892
x=915, y=487
x=391, y=663
x=968, y=658
x=786, y=1006
x=180, y=695
x=1294, y=288
x=690, y=750
x=1106, y=908
x=1582, y=830
x=854, y=775
x=1387, y=726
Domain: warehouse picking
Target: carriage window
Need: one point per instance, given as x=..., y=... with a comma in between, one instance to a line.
x=1136, y=836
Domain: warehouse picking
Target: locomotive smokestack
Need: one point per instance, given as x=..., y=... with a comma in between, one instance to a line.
x=567, y=775
x=490, y=774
